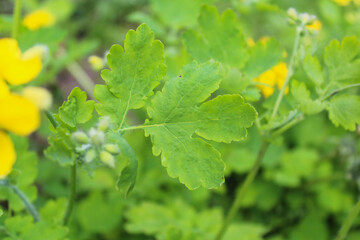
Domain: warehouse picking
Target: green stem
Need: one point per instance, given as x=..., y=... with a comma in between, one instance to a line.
x=339, y=90
x=72, y=190
x=289, y=73
x=348, y=222
x=241, y=193
x=72, y=195
x=28, y=205
x=287, y=126
x=51, y=118
x=82, y=78
x=16, y=18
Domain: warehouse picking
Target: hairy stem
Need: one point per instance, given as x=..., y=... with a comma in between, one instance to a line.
x=242, y=191
x=289, y=73
x=16, y=19
x=72, y=195
x=28, y=205
x=354, y=212
x=339, y=90
x=82, y=78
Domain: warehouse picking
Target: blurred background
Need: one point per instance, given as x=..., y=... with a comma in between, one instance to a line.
x=310, y=177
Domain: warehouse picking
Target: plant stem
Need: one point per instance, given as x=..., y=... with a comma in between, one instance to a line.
x=72, y=190
x=51, y=118
x=16, y=19
x=28, y=205
x=348, y=222
x=72, y=195
x=339, y=90
x=82, y=78
x=287, y=126
x=289, y=73
x=242, y=191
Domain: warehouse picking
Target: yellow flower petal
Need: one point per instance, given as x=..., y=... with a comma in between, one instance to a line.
x=14, y=68
x=39, y=19
x=316, y=25
x=39, y=96
x=4, y=89
x=7, y=155
x=18, y=115
x=342, y=2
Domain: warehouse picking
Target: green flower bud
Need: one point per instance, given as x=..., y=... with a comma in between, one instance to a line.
x=90, y=156
x=104, y=124
x=112, y=148
x=292, y=13
x=80, y=137
x=107, y=158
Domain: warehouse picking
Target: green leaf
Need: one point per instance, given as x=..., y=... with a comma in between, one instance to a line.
x=61, y=148
x=313, y=69
x=302, y=95
x=344, y=69
x=128, y=174
x=136, y=70
x=170, y=14
x=219, y=38
x=344, y=111
x=245, y=231
x=76, y=110
x=263, y=56
x=174, y=117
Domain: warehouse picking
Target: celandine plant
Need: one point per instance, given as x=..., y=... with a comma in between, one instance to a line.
x=213, y=101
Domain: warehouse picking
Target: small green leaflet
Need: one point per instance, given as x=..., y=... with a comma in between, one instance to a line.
x=344, y=110
x=174, y=117
x=302, y=95
x=76, y=110
x=136, y=70
x=218, y=38
x=313, y=69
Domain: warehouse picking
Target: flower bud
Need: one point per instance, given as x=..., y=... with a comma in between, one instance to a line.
x=104, y=124
x=292, y=13
x=112, y=148
x=97, y=137
x=41, y=97
x=90, y=156
x=107, y=158
x=80, y=137
x=97, y=63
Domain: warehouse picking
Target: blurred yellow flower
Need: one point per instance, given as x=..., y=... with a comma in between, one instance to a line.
x=8, y=154
x=39, y=19
x=316, y=25
x=271, y=78
x=346, y=2
x=39, y=96
x=17, y=68
x=17, y=113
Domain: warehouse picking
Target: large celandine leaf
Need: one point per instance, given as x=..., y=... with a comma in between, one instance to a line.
x=218, y=38
x=135, y=71
x=344, y=110
x=175, y=116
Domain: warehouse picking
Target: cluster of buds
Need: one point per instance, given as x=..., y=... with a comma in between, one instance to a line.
x=303, y=20
x=93, y=146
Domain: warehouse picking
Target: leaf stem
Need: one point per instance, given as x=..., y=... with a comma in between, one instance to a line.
x=339, y=90
x=242, y=191
x=287, y=126
x=72, y=195
x=16, y=19
x=348, y=222
x=289, y=73
x=82, y=78
x=51, y=118
x=28, y=205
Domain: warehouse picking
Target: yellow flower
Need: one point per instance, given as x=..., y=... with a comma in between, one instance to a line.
x=316, y=25
x=17, y=114
x=8, y=155
x=346, y=2
x=17, y=68
x=274, y=77
x=39, y=19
